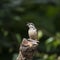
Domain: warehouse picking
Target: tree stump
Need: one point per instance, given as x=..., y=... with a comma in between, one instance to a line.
x=27, y=49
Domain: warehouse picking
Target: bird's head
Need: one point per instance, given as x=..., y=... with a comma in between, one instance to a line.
x=30, y=25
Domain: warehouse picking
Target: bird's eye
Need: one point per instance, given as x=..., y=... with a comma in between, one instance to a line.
x=32, y=24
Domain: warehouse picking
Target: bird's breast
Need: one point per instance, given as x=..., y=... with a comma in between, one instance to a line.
x=32, y=33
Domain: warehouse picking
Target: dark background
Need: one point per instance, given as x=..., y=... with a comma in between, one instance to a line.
x=15, y=14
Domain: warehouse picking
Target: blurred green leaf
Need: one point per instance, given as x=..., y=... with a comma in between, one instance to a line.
x=52, y=57
x=40, y=34
x=18, y=37
x=49, y=40
x=52, y=11
x=15, y=56
x=45, y=57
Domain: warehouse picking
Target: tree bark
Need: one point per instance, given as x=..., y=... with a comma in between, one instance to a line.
x=27, y=49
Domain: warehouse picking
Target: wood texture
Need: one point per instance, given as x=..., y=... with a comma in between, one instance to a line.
x=27, y=49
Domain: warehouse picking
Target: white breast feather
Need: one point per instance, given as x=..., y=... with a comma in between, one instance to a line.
x=32, y=33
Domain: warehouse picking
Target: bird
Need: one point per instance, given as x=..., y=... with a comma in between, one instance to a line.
x=28, y=46
x=32, y=31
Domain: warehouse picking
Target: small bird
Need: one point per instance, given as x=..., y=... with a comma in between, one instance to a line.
x=28, y=46
x=32, y=32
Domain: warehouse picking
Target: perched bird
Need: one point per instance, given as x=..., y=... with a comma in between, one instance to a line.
x=28, y=46
x=32, y=32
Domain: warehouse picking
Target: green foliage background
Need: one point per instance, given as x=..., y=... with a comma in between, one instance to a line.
x=15, y=14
